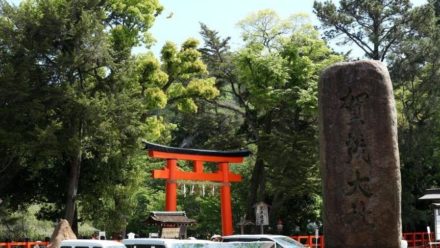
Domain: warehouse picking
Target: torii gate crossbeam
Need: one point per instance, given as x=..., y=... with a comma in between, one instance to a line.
x=172, y=173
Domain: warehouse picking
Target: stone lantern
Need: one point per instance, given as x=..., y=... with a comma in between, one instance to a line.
x=434, y=196
x=280, y=226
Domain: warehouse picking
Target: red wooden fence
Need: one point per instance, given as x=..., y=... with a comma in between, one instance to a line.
x=310, y=240
x=37, y=244
x=419, y=240
x=415, y=240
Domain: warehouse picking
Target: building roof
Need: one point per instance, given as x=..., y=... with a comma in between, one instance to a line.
x=169, y=217
x=431, y=194
x=169, y=149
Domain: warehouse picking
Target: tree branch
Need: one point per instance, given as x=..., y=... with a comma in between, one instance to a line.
x=228, y=106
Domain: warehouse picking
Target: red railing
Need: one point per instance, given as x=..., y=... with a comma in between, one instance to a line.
x=415, y=240
x=419, y=240
x=310, y=240
x=37, y=244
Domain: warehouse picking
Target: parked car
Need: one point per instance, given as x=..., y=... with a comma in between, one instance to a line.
x=193, y=243
x=90, y=243
x=164, y=243
x=279, y=240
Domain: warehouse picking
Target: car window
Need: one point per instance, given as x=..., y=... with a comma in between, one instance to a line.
x=235, y=239
x=247, y=239
x=81, y=247
x=287, y=242
x=246, y=243
x=281, y=242
x=145, y=246
x=177, y=245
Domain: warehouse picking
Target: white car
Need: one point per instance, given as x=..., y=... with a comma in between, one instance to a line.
x=90, y=243
x=279, y=240
x=164, y=243
x=192, y=243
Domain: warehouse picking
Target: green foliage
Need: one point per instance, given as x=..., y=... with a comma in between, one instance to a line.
x=19, y=225
x=281, y=91
x=406, y=39
x=264, y=28
x=415, y=73
x=206, y=210
x=271, y=86
x=130, y=22
x=85, y=103
x=187, y=76
x=374, y=26
x=75, y=104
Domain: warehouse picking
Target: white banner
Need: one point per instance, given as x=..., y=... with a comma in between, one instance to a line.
x=262, y=214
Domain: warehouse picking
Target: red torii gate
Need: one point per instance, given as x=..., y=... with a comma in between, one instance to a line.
x=172, y=173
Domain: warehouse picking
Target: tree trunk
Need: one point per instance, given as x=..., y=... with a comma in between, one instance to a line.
x=256, y=189
x=72, y=190
x=258, y=179
x=277, y=203
x=9, y=171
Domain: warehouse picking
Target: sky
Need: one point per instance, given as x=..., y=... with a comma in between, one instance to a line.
x=220, y=15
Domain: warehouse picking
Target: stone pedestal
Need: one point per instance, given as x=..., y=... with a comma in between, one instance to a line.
x=359, y=156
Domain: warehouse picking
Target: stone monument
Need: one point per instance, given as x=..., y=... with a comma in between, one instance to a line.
x=359, y=156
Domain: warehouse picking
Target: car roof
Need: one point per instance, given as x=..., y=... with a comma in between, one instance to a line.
x=90, y=242
x=254, y=236
x=180, y=243
x=251, y=237
x=159, y=241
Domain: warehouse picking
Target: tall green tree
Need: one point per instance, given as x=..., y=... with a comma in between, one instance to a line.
x=78, y=58
x=374, y=26
x=85, y=100
x=173, y=85
x=405, y=38
x=273, y=80
x=415, y=70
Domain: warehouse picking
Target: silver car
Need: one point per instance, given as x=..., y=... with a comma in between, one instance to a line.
x=279, y=240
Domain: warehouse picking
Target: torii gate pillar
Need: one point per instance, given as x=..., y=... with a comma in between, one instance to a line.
x=172, y=174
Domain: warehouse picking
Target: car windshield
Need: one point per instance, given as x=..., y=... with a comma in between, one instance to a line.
x=287, y=242
x=237, y=244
